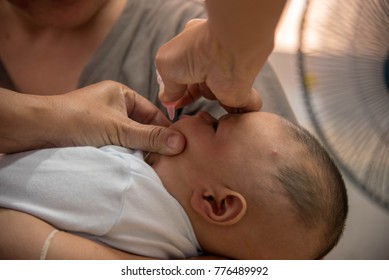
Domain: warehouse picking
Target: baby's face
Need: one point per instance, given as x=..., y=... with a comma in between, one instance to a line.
x=225, y=150
x=238, y=151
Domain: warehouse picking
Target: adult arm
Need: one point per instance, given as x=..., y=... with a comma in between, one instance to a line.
x=97, y=115
x=220, y=57
x=18, y=243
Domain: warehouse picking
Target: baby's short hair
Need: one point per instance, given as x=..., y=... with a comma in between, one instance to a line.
x=315, y=187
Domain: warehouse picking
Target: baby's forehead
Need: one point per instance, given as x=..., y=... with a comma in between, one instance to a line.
x=253, y=123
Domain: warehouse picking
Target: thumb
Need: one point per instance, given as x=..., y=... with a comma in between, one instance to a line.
x=152, y=138
x=170, y=93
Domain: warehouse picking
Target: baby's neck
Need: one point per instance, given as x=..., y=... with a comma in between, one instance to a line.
x=218, y=241
x=150, y=158
x=168, y=173
x=212, y=239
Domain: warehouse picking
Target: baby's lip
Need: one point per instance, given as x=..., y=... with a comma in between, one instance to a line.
x=202, y=114
x=206, y=116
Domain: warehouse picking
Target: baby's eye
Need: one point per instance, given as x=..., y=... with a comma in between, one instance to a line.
x=215, y=125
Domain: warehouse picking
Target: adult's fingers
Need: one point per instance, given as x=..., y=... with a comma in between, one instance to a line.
x=111, y=113
x=142, y=110
x=173, y=74
x=193, y=93
x=176, y=65
x=252, y=103
x=146, y=127
x=151, y=138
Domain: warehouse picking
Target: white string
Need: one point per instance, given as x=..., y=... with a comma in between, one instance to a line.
x=46, y=245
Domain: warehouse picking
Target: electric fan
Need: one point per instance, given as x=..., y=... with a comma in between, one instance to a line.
x=344, y=66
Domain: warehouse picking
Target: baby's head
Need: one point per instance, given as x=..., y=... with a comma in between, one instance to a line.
x=256, y=186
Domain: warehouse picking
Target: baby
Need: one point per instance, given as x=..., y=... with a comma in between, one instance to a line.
x=247, y=186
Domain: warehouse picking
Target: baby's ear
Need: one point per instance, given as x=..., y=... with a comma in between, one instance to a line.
x=221, y=206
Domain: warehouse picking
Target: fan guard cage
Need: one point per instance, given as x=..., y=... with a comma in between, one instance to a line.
x=343, y=61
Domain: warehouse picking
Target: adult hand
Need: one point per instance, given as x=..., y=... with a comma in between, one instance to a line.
x=194, y=64
x=220, y=57
x=111, y=113
x=96, y=115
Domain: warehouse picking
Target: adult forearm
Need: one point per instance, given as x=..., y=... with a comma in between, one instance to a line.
x=24, y=121
x=245, y=27
x=17, y=243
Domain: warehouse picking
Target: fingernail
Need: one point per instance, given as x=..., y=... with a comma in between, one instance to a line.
x=173, y=142
x=159, y=81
